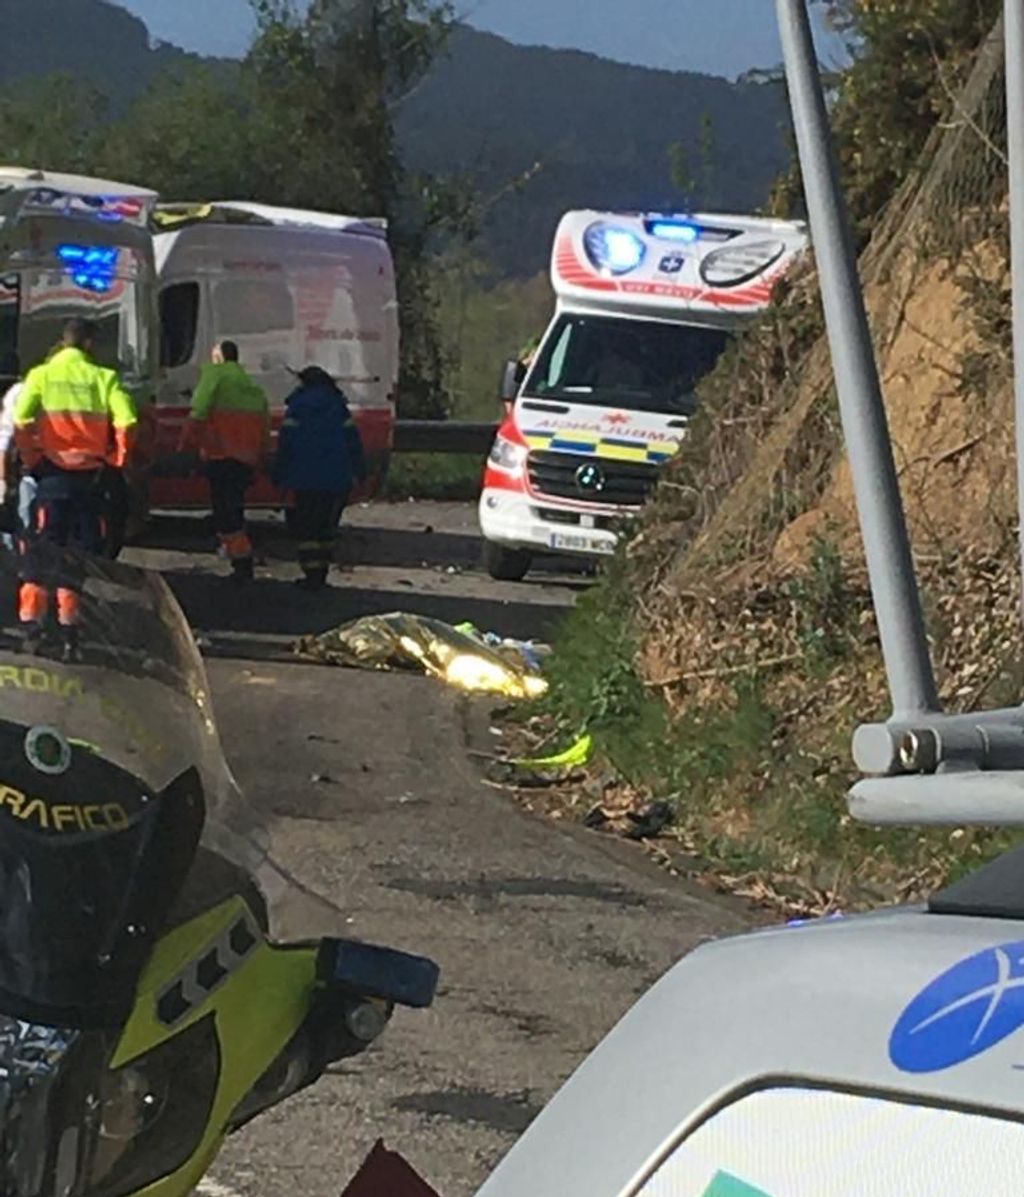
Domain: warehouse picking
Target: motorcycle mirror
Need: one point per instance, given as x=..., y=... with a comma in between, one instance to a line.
x=370, y=971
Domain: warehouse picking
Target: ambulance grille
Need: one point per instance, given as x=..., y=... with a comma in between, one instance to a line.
x=571, y=476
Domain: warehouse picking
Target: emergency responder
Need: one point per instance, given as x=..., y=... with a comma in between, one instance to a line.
x=72, y=421
x=18, y=485
x=319, y=458
x=230, y=425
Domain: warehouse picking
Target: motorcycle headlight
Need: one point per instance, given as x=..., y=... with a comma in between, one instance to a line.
x=733, y=266
x=154, y=1112
x=613, y=249
x=509, y=456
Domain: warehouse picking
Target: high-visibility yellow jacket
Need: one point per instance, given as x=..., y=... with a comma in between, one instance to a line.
x=75, y=414
x=230, y=416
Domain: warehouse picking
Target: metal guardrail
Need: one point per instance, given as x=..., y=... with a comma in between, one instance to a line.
x=444, y=436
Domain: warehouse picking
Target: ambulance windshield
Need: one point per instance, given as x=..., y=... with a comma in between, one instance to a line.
x=639, y=365
x=109, y=284
x=116, y=302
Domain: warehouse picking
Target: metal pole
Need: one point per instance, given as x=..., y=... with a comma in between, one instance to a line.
x=1013, y=24
x=883, y=525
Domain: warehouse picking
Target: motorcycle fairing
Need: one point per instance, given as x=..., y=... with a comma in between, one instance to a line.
x=212, y=968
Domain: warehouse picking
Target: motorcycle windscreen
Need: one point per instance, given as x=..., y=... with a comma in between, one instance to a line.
x=119, y=816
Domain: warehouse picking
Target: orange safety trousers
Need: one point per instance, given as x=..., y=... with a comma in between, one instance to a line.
x=236, y=545
x=67, y=514
x=229, y=481
x=34, y=604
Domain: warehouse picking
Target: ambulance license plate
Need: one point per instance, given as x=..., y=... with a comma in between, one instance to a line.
x=574, y=543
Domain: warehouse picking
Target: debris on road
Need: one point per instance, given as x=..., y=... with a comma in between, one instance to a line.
x=386, y=1174
x=460, y=657
x=530, y=650
x=573, y=758
x=651, y=821
x=564, y=769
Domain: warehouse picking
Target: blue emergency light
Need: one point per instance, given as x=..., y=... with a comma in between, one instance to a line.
x=92, y=267
x=676, y=230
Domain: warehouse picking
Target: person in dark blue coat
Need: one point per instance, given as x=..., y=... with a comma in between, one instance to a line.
x=319, y=459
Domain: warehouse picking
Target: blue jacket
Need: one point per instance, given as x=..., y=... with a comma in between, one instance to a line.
x=319, y=446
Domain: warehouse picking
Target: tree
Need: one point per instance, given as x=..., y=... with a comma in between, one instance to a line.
x=188, y=137
x=50, y=123
x=307, y=120
x=695, y=176
x=328, y=85
x=909, y=56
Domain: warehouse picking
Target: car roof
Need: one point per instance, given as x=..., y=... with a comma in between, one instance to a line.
x=825, y=1003
x=24, y=178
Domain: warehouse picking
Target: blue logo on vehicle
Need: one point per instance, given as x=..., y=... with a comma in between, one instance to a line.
x=962, y=1014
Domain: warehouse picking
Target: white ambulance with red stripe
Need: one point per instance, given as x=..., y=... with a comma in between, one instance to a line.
x=292, y=288
x=646, y=304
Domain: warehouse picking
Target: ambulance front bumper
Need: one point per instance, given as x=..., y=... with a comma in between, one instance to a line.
x=521, y=521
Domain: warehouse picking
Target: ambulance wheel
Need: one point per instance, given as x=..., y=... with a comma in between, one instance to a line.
x=506, y=565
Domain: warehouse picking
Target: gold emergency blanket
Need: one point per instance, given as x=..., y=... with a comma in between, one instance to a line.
x=459, y=657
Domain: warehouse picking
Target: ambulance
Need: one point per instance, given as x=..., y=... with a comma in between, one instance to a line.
x=646, y=304
x=77, y=246
x=80, y=246
x=292, y=288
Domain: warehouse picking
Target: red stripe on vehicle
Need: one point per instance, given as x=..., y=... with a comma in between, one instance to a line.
x=574, y=272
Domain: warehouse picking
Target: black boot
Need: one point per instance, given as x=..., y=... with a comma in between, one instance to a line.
x=315, y=579
x=243, y=571
x=33, y=639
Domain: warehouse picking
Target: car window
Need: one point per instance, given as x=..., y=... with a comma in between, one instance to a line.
x=817, y=1143
x=179, y=320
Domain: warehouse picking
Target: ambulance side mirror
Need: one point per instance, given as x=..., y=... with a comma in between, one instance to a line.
x=511, y=377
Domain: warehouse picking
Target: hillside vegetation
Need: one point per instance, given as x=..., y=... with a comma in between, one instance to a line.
x=731, y=651
x=601, y=133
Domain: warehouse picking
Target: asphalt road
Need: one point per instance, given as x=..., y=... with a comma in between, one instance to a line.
x=422, y=558
x=545, y=935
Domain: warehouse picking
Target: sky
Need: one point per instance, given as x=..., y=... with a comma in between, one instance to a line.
x=715, y=37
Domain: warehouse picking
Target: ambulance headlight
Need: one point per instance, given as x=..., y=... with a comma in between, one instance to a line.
x=734, y=265
x=507, y=455
x=613, y=249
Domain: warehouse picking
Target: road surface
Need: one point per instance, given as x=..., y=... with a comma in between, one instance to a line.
x=545, y=935
x=421, y=557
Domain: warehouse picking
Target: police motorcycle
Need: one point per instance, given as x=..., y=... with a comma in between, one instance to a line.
x=847, y=1057
x=163, y=978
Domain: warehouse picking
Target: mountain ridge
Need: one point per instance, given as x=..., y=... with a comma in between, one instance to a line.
x=491, y=111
